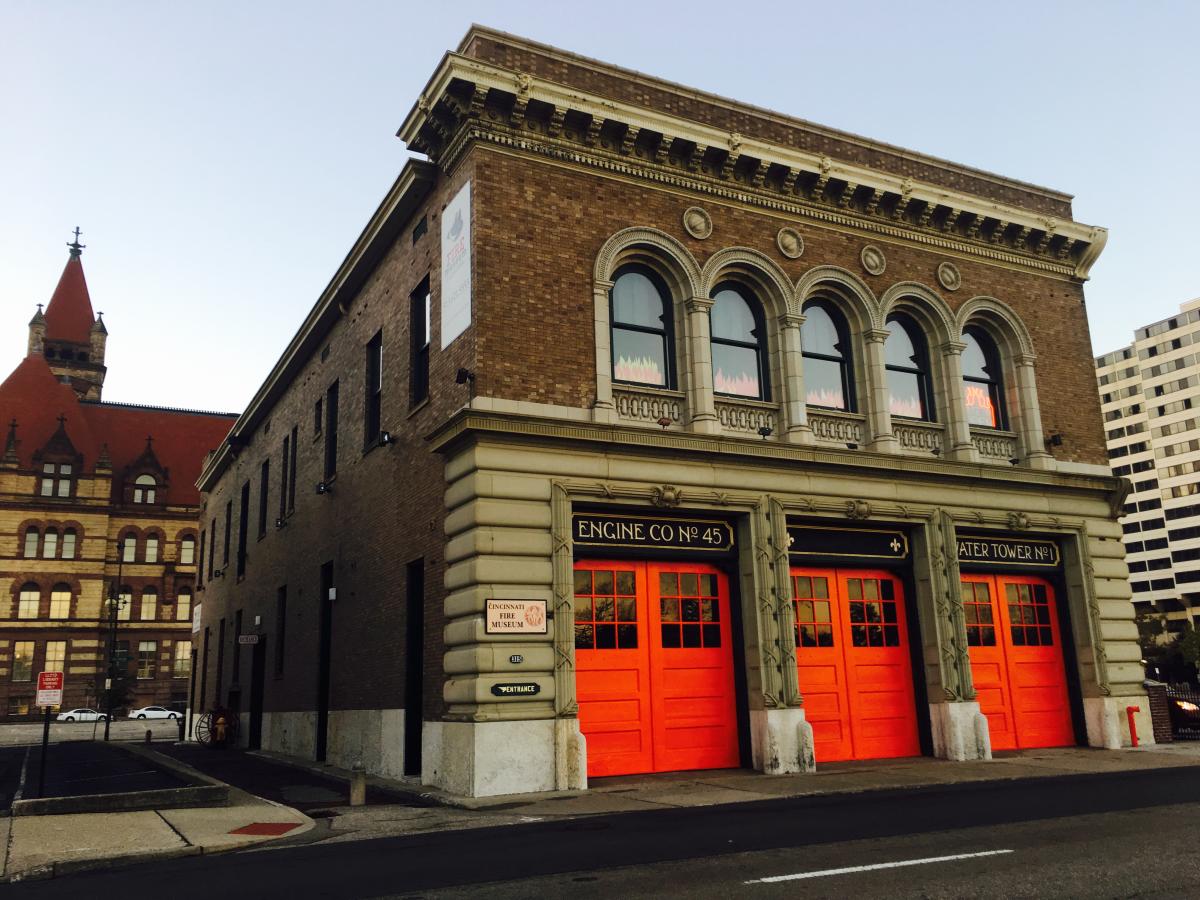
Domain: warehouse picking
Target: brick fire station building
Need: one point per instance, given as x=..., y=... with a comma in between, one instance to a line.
x=97, y=502
x=644, y=430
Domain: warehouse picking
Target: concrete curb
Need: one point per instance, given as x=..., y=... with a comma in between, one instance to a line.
x=208, y=792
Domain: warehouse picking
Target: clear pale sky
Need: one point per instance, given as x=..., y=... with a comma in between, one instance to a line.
x=222, y=157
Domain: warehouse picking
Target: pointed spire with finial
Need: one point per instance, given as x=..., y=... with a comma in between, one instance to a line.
x=76, y=247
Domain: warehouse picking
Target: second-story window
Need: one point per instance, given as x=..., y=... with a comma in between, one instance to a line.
x=983, y=387
x=291, y=491
x=68, y=544
x=828, y=367
x=30, y=601
x=50, y=544
x=264, y=481
x=151, y=549
x=144, y=487
x=419, y=330
x=738, y=345
x=32, y=539
x=183, y=605
x=642, y=339
x=243, y=522
x=285, y=468
x=187, y=550
x=228, y=532
x=907, y=362
x=60, y=602
x=128, y=548
x=149, y=605
x=331, y=430
x=372, y=415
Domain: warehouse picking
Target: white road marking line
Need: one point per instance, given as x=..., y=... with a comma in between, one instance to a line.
x=889, y=865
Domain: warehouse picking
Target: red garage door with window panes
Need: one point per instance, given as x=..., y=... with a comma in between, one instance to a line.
x=853, y=664
x=1016, y=661
x=654, y=667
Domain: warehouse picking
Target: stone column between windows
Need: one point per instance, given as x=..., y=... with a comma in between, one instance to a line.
x=794, y=407
x=701, y=403
x=602, y=408
x=879, y=416
x=958, y=428
x=1033, y=443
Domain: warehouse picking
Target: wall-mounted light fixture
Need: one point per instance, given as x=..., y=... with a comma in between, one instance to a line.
x=664, y=421
x=385, y=438
x=765, y=431
x=462, y=376
x=852, y=446
x=280, y=522
x=1054, y=439
x=1014, y=461
x=324, y=487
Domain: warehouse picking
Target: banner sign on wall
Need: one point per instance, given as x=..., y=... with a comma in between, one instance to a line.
x=848, y=543
x=456, y=266
x=1009, y=552
x=612, y=530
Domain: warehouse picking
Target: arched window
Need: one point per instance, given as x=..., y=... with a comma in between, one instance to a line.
x=50, y=544
x=151, y=549
x=143, y=489
x=642, y=340
x=187, y=551
x=983, y=380
x=129, y=548
x=30, y=602
x=149, y=605
x=60, y=602
x=183, y=605
x=907, y=362
x=739, y=343
x=32, y=536
x=124, y=603
x=828, y=366
x=68, y=544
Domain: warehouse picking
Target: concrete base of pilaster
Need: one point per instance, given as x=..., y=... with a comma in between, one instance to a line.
x=1108, y=722
x=486, y=759
x=960, y=731
x=781, y=741
x=570, y=756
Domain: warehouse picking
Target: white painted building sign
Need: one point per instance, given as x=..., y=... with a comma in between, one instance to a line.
x=456, y=266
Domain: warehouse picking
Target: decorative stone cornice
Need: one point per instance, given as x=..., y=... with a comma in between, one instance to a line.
x=471, y=100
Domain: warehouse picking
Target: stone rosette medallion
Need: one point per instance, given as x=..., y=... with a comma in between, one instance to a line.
x=790, y=243
x=948, y=277
x=873, y=260
x=697, y=222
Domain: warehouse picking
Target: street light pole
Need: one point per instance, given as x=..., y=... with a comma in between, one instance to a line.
x=114, y=604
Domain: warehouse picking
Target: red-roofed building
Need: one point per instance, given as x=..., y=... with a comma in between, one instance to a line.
x=98, y=520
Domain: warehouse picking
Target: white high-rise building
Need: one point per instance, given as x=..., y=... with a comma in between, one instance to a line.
x=1150, y=395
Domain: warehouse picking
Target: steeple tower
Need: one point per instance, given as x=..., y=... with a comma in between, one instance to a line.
x=68, y=333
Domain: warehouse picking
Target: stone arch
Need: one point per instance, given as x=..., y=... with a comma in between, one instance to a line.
x=925, y=305
x=757, y=269
x=852, y=294
x=1001, y=322
x=656, y=249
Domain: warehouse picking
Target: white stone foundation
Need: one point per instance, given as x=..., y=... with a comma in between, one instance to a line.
x=485, y=759
x=781, y=741
x=570, y=765
x=1108, y=724
x=960, y=731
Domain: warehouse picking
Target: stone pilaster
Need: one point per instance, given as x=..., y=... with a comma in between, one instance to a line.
x=879, y=416
x=958, y=429
x=792, y=394
x=701, y=403
x=603, y=409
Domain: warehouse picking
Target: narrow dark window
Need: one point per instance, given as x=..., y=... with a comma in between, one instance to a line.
x=419, y=230
x=212, y=548
x=318, y=418
x=418, y=328
x=237, y=647
x=243, y=521
x=291, y=503
x=372, y=424
x=285, y=463
x=200, y=568
x=280, y=627
x=228, y=531
x=220, y=662
x=204, y=671
x=264, y=481
x=331, y=430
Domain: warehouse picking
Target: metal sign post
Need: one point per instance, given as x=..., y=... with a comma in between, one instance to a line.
x=49, y=693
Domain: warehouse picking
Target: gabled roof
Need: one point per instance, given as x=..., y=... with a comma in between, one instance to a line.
x=33, y=396
x=69, y=316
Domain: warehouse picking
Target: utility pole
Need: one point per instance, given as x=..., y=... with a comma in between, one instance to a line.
x=114, y=604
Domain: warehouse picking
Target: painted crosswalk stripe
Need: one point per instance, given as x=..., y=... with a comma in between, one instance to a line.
x=848, y=870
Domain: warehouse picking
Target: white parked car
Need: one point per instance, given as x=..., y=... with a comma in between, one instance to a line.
x=153, y=712
x=81, y=715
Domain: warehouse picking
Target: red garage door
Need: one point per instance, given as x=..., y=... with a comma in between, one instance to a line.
x=654, y=667
x=853, y=663
x=1016, y=661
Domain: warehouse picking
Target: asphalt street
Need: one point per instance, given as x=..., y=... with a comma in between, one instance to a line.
x=1085, y=831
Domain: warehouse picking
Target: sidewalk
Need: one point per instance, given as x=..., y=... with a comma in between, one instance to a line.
x=47, y=846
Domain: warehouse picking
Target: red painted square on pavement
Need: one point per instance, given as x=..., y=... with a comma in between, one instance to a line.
x=266, y=828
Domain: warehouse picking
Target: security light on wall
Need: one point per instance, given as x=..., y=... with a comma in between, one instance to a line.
x=385, y=437
x=324, y=487
x=462, y=376
x=765, y=431
x=1054, y=439
x=281, y=522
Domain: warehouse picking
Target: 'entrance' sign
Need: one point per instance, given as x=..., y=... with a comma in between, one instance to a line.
x=1009, y=552
x=516, y=617
x=49, y=689
x=618, y=530
x=527, y=689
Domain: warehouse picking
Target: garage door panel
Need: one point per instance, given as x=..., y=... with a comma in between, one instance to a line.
x=820, y=677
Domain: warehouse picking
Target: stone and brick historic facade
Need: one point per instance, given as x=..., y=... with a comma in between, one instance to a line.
x=778, y=365
x=97, y=502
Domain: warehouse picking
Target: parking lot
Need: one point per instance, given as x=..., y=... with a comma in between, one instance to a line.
x=25, y=733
